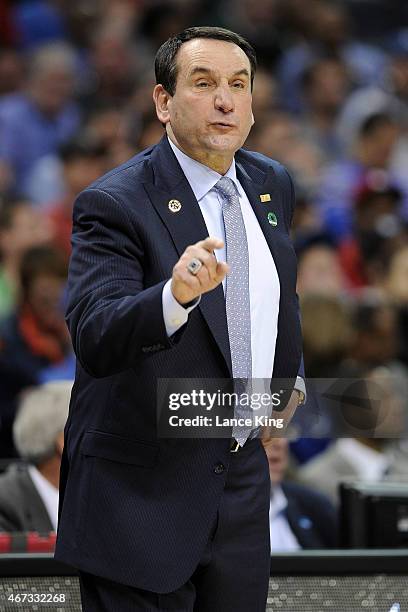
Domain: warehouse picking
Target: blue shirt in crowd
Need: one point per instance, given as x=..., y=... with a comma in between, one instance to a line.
x=26, y=134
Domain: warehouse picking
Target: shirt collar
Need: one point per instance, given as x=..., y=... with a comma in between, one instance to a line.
x=41, y=481
x=47, y=492
x=200, y=177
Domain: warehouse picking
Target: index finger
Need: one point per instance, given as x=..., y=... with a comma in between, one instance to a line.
x=210, y=243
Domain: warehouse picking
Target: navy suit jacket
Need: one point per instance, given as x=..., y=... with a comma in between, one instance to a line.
x=136, y=508
x=311, y=516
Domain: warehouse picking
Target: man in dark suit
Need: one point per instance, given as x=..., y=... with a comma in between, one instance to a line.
x=29, y=490
x=311, y=516
x=299, y=517
x=21, y=506
x=158, y=523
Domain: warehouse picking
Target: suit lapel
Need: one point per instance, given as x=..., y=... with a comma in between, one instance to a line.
x=305, y=534
x=186, y=227
x=254, y=183
x=36, y=515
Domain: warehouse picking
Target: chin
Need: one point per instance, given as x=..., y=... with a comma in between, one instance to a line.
x=224, y=142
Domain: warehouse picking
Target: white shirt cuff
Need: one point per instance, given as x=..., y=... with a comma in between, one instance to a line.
x=174, y=314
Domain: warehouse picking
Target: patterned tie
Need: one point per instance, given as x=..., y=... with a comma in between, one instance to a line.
x=237, y=298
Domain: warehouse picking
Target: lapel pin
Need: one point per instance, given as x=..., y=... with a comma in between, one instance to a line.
x=174, y=206
x=272, y=219
x=265, y=197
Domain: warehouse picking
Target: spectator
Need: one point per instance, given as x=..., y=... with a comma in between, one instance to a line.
x=11, y=71
x=373, y=150
x=21, y=227
x=345, y=459
x=112, y=69
x=328, y=34
x=117, y=130
x=264, y=97
x=376, y=223
x=35, y=122
x=35, y=336
x=306, y=220
x=396, y=287
x=104, y=125
x=375, y=338
x=29, y=490
x=396, y=280
x=389, y=96
x=376, y=341
x=83, y=161
x=327, y=335
x=325, y=85
x=372, y=455
x=281, y=138
x=257, y=21
x=299, y=517
x=319, y=269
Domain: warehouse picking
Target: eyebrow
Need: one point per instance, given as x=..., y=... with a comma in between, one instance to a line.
x=242, y=71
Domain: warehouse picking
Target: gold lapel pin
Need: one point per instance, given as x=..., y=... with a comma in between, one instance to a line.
x=174, y=206
x=265, y=197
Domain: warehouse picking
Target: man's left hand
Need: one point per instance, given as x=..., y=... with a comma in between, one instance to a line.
x=269, y=432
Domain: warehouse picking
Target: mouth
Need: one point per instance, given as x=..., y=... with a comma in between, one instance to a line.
x=223, y=125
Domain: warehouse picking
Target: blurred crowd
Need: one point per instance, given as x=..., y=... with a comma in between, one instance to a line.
x=330, y=103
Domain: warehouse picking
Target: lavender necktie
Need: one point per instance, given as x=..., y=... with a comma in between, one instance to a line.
x=237, y=298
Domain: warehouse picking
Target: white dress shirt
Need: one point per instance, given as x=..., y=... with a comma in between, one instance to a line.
x=47, y=492
x=282, y=537
x=264, y=287
x=369, y=463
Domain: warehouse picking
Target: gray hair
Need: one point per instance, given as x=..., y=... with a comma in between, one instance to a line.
x=52, y=55
x=41, y=416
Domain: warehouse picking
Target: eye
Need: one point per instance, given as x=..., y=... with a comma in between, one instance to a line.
x=238, y=85
x=202, y=84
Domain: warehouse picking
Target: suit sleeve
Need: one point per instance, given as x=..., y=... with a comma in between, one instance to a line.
x=288, y=189
x=300, y=383
x=114, y=320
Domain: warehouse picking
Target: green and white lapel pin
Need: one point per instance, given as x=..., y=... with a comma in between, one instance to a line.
x=272, y=219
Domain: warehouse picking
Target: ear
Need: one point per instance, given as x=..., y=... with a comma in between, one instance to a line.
x=161, y=100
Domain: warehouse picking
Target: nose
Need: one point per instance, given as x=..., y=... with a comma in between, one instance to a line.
x=223, y=99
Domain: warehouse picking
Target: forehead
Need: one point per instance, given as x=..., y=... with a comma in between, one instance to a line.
x=215, y=55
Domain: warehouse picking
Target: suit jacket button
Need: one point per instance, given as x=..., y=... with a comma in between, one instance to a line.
x=219, y=468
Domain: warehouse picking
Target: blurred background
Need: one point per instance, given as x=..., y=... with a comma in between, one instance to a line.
x=330, y=103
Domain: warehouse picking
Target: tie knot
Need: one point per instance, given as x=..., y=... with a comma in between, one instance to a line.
x=226, y=187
